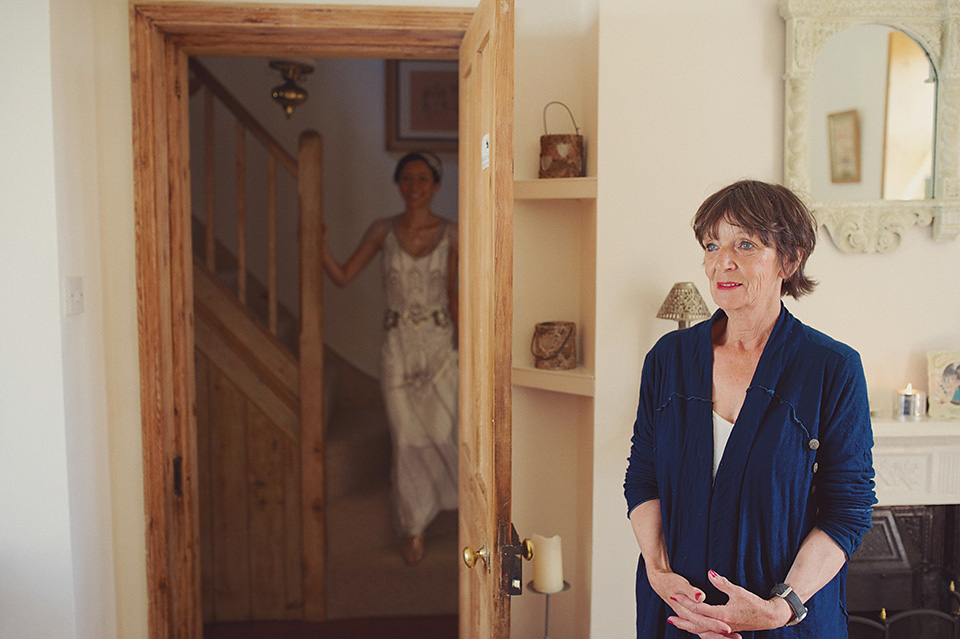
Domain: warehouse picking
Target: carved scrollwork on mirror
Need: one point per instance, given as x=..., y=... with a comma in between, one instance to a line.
x=874, y=225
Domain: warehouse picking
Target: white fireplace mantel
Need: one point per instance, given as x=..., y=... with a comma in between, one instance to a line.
x=916, y=463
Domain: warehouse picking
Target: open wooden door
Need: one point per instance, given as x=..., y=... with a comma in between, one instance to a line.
x=486, y=315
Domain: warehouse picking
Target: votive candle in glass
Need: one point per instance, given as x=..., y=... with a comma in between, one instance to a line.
x=909, y=404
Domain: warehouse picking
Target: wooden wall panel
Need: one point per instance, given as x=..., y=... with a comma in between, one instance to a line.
x=265, y=499
x=229, y=481
x=204, y=500
x=249, y=496
x=293, y=586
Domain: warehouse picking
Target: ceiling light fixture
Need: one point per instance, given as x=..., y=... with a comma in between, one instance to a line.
x=289, y=94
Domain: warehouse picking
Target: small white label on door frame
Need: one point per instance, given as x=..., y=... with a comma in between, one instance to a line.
x=485, y=152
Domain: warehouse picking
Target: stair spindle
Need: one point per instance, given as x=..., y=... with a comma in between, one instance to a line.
x=210, y=237
x=241, y=215
x=272, y=243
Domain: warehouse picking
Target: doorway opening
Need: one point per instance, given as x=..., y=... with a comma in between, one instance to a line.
x=365, y=576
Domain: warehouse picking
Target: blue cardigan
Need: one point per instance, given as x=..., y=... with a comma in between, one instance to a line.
x=799, y=456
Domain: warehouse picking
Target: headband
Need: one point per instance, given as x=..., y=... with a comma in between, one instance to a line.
x=427, y=157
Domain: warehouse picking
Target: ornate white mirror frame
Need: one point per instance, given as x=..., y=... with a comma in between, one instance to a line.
x=869, y=226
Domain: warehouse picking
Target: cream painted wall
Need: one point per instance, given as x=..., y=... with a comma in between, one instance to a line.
x=690, y=100
x=555, y=59
x=38, y=547
x=78, y=210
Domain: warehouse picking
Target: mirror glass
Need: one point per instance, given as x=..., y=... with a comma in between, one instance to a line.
x=872, y=108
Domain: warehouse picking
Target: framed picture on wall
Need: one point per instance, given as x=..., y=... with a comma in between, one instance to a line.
x=422, y=105
x=944, y=378
x=843, y=130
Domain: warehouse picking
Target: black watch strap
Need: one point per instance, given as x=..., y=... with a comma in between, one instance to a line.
x=786, y=593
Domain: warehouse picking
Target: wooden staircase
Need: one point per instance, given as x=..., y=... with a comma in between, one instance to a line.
x=249, y=463
x=260, y=409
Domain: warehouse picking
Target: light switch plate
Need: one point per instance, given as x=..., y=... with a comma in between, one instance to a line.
x=74, y=295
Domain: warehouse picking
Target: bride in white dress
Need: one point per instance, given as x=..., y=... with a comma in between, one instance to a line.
x=418, y=358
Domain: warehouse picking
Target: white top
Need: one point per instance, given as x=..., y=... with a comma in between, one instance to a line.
x=721, y=433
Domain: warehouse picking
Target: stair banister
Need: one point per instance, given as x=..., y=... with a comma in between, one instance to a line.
x=245, y=122
x=311, y=370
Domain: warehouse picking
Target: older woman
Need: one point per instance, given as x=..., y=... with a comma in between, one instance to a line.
x=749, y=482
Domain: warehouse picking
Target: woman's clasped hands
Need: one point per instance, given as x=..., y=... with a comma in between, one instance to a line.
x=743, y=610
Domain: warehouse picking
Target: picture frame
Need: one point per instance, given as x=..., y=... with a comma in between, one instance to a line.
x=422, y=108
x=944, y=384
x=843, y=129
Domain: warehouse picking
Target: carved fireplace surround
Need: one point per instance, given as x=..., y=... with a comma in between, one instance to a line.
x=909, y=557
x=916, y=463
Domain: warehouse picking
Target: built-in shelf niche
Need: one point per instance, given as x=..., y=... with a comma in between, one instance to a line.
x=578, y=381
x=582, y=188
x=555, y=275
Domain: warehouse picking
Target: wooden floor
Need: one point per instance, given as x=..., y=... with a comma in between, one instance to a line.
x=434, y=627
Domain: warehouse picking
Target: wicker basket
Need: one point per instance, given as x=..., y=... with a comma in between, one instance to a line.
x=554, y=345
x=561, y=154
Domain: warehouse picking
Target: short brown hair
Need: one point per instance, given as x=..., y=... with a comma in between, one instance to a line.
x=774, y=214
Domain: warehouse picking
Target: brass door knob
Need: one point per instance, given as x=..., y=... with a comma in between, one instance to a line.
x=526, y=549
x=470, y=556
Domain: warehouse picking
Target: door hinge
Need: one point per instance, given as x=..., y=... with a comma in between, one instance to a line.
x=178, y=476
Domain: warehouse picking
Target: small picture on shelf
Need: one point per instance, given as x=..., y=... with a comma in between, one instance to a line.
x=944, y=378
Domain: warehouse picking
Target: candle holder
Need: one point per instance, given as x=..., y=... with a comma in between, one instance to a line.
x=546, y=614
x=909, y=404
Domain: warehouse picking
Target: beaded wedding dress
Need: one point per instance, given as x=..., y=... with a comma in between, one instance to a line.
x=418, y=376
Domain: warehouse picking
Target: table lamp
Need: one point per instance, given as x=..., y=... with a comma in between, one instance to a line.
x=684, y=305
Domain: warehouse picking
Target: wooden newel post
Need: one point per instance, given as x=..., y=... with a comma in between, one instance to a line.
x=311, y=374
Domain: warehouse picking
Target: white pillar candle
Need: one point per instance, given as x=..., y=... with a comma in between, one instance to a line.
x=547, y=564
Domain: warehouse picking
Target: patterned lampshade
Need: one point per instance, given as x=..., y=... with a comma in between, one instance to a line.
x=683, y=305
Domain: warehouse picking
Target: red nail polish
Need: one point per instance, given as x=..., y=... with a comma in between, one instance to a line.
x=670, y=621
x=698, y=595
x=674, y=599
x=713, y=573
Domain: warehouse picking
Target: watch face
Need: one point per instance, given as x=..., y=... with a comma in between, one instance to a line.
x=786, y=592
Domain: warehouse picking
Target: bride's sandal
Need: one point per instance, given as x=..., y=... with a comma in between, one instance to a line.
x=413, y=550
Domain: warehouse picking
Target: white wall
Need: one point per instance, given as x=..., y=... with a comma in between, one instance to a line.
x=37, y=589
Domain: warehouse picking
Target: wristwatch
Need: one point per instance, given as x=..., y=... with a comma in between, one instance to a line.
x=786, y=592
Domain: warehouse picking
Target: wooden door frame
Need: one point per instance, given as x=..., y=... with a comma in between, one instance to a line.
x=162, y=38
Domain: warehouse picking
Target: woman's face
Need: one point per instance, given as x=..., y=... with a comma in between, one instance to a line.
x=416, y=184
x=744, y=274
